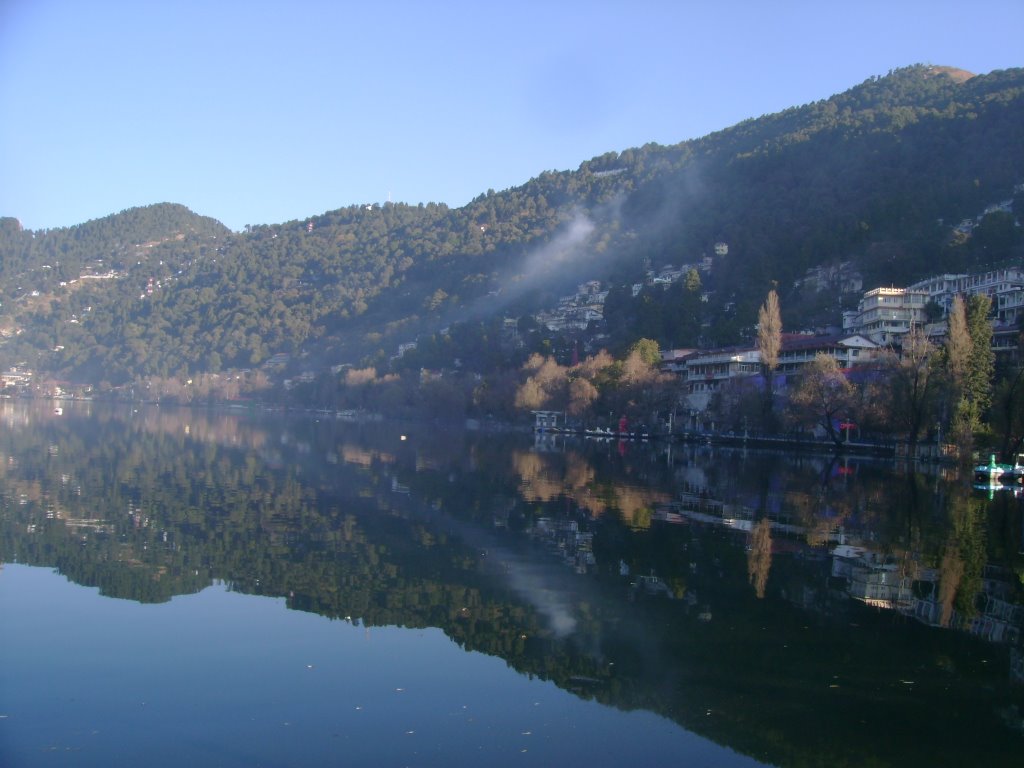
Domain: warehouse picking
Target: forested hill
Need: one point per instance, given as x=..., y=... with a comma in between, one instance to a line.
x=113, y=240
x=877, y=176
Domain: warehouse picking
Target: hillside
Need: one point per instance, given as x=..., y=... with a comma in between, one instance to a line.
x=877, y=176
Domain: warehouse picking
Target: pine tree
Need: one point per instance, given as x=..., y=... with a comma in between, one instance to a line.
x=971, y=364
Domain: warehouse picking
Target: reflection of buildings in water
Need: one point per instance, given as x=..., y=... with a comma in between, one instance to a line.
x=871, y=578
x=428, y=463
x=13, y=415
x=701, y=508
x=866, y=576
x=916, y=592
x=548, y=442
x=575, y=547
x=692, y=478
x=1017, y=664
x=364, y=457
x=998, y=619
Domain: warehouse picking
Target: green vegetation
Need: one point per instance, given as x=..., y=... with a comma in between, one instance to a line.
x=876, y=176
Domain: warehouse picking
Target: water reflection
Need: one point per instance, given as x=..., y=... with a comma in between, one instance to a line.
x=783, y=606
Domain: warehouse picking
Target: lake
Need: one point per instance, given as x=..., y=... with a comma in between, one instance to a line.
x=245, y=588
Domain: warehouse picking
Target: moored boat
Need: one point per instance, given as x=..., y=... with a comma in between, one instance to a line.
x=994, y=472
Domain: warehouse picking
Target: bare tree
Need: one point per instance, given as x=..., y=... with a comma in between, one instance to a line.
x=914, y=384
x=958, y=343
x=581, y=395
x=547, y=387
x=769, y=344
x=822, y=395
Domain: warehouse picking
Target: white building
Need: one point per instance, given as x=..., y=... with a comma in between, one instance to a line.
x=995, y=284
x=705, y=371
x=848, y=350
x=885, y=315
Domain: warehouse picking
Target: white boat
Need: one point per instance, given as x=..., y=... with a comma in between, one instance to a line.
x=999, y=473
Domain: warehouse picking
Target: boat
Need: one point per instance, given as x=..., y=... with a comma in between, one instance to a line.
x=994, y=473
x=1017, y=471
x=58, y=411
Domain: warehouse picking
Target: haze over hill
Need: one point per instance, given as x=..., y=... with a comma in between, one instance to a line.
x=876, y=177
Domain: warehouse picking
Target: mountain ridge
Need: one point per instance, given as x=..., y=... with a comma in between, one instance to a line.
x=955, y=74
x=863, y=175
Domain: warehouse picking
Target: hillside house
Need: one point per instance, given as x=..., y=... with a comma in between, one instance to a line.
x=674, y=360
x=703, y=372
x=996, y=284
x=848, y=350
x=278, y=361
x=576, y=312
x=15, y=378
x=885, y=315
x=841, y=278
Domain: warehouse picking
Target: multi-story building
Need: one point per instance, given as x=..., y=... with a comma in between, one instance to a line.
x=798, y=349
x=885, y=315
x=1009, y=307
x=940, y=289
x=703, y=372
x=995, y=284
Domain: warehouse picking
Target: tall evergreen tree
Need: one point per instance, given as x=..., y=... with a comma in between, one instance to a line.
x=982, y=359
x=971, y=372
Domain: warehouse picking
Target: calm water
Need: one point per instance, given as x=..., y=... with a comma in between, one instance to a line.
x=182, y=587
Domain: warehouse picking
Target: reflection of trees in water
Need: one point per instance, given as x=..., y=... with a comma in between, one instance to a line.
x=544, y=478
x=951, y=571
x=338, y=540
x=363, y=457
x=964, y=556
x=759, y=558
x=540, y=479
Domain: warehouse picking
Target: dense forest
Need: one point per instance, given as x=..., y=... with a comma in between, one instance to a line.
x=877, y=176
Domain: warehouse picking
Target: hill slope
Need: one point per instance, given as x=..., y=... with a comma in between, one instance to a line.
x=876, y=176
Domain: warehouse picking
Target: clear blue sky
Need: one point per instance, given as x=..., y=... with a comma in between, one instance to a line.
x=263, y=112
